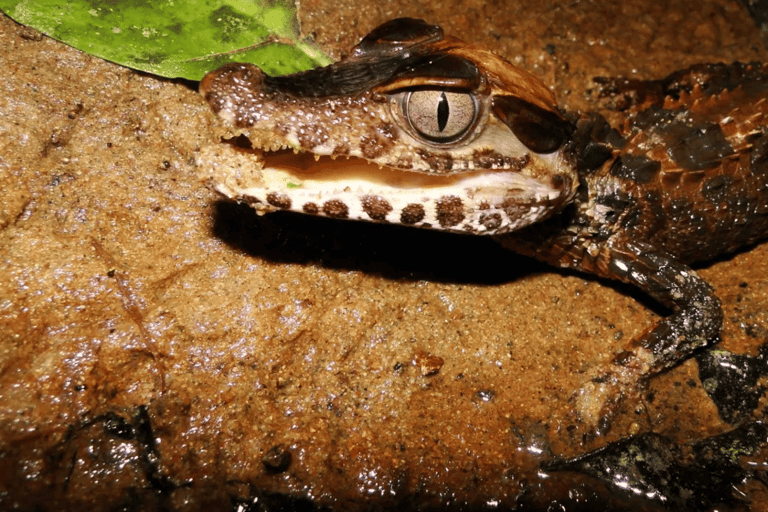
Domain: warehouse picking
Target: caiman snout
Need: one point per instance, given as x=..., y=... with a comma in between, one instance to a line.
x=216, y=86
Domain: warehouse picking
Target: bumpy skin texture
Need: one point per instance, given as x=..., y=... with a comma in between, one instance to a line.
x=684, y=178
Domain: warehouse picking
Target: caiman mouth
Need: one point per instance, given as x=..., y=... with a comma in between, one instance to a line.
x=482, y=201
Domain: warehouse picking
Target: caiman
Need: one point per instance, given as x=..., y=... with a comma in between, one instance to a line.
x=424, y=130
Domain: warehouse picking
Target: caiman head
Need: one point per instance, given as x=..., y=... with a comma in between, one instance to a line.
x=412, y=128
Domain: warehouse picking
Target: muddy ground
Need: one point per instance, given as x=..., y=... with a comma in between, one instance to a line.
x=161, y=348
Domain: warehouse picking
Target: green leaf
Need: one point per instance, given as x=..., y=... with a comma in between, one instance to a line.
x=175, y=38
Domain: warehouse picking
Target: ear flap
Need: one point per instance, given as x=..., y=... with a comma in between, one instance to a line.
x=540, y=130
x=394, y=36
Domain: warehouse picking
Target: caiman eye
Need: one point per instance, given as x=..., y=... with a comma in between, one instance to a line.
x=440, y=116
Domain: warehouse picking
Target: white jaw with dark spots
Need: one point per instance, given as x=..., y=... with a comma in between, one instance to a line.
x=431, y=137
x=480, y=202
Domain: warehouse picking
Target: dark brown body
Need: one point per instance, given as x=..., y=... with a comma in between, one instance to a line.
x=685, y=179
x=687, y=173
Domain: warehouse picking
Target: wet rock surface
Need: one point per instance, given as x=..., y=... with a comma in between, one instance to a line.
x=163, y=350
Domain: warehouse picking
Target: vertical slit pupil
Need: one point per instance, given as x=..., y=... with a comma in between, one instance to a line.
x=442, y=112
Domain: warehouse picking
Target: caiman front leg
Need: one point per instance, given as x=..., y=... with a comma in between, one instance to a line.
x=695, y=322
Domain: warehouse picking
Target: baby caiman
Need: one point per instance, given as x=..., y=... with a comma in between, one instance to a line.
x=437, y=133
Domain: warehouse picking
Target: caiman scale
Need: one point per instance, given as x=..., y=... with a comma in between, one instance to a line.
x=438, y=133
